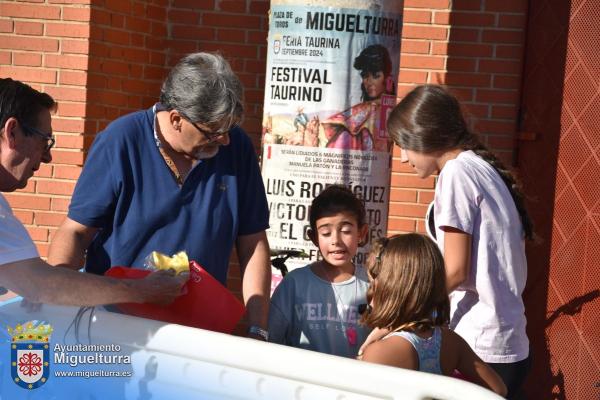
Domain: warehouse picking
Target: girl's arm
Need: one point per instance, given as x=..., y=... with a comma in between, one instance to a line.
x=375, y=335
x=394, y=351
x=457, y=257
x=474, y=368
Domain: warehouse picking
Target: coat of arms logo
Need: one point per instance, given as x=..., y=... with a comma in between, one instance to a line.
x=30, y=354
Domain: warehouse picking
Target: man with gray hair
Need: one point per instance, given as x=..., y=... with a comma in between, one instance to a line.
x=25, y=143
x=181, y=175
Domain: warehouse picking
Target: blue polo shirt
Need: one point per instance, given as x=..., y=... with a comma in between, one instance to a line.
x=127, y=190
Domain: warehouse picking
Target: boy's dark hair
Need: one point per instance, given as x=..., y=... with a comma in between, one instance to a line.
x=333, y=200
x=22, y=102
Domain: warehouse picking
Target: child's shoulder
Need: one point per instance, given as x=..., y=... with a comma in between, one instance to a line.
x=393, y=350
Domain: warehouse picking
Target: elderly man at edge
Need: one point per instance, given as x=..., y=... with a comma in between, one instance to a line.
x=181, y=175
x=25, y=142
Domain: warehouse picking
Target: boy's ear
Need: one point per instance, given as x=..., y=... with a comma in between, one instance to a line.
x=362, y=233
x=313, y=237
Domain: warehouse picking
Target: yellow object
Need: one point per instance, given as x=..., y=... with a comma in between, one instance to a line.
x=179, y=262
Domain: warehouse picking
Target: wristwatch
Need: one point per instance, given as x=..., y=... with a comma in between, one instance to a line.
x=257, y=330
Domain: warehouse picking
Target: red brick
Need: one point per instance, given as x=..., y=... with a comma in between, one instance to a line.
x=513, y=52
x=464, y=35
x=408, y=210
x=159, y=29
x=258, y=37
x=76, y=14
x=421, y=32
x=400, y=224
x=467, y=5
x=65, y=93
x=230, y=50
x=75, y=46
x=235, y=6
x=26, y=217
x=463, y=49
x=404, y=195
x=117, y=21
x=29, y=43
x=20, y=10
x=426, y=197
x=137, y=24
x=497, y=96
x=412, y=76
x=477, y=19
x=228, y=20
x=467, y=79
x=30, y=187
x=158, y=13
x=66, y=109
x=507, y=112
x=45, y=171
x=6, y=26
x=500, y=36
x=511, y=6
x=506, y=82
x=512, y=21
x=183, y=17
x=74, y=30
x=119, y=6
x=501, y=142
x=115, y=36
x=69, y=142
x=441, y=17
x=422, y=62
x=68, y=125
x=415, y=46
x=66, y=61
x=27, y=59
x=29, y=28
x=440, y=4
x=88, y=2
x=60, y=204
x=49, y=219
x=411, y=181
x=29, y=74
x=72, y=78
x=231, y=35
x=496, y=127
x=461, y=64
x=259, y=7
x=26, y=201
x=38, y=234
x=67, y=172
x=193, y=4
x=55, y=187
x=192, y=32
x=5, y=57
x=500, y=66
x=417, y=16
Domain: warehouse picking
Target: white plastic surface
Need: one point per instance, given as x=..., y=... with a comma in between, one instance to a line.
x=176, y=362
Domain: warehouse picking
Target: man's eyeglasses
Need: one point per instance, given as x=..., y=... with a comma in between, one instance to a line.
x=50, y=140
x=210, y=136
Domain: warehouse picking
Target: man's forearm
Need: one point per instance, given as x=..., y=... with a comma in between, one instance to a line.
x=253, y=252
x=39, y=282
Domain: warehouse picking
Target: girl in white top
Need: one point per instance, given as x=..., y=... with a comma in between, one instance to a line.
x=480, y=227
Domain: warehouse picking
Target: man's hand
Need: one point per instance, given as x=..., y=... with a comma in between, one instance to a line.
x=160, y=287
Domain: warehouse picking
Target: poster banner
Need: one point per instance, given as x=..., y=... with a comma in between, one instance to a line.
x=331, y=82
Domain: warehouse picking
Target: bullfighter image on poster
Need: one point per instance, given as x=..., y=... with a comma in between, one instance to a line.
x=331, y=80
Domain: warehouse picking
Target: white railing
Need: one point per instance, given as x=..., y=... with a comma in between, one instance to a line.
x=176, y=362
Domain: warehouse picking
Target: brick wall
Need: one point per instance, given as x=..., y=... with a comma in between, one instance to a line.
x=101, y=59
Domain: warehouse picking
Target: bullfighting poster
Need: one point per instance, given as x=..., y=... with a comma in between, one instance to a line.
x=331, y=81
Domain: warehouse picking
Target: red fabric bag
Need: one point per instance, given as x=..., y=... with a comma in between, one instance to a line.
x=205, y=302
